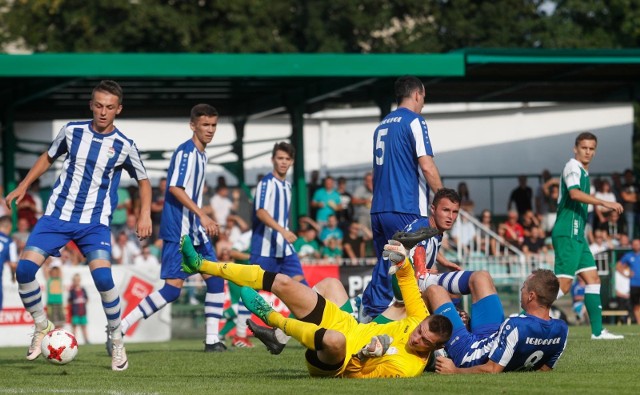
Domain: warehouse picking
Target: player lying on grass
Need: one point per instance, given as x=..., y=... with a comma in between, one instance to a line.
x=444, y=211
x=337, y=345
x=528, y=341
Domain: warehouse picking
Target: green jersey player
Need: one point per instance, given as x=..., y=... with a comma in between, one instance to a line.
x=572, y=255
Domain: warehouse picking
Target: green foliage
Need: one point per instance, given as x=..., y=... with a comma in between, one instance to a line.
x=345, y=26
x=180, y=366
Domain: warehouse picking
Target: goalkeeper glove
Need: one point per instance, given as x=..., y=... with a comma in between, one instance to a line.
x=396, y=253
x=376, y=348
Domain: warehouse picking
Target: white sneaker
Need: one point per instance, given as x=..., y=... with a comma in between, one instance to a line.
x=119, y=359
x=606, y=335
x=34, y=349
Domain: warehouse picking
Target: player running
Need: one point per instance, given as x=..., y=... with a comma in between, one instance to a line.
x=80, y=209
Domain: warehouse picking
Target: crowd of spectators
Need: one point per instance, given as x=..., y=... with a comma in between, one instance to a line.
x=338, y=228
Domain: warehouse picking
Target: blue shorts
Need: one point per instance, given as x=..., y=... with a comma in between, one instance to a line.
x=289, y=265
x=379, y=292
x=171, y=266
x=472, y=348
x=51, y=234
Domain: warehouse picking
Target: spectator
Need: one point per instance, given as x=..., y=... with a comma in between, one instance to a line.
x=78, y=301
x=332, y=250
x=521, y=197
x=55, y=290
x=603, y=192
x=235, y=226
x=119, y=215
x=157, y=203
x=629, y=195
x=362, y=201
x=551, y=192
x=353, y=243
x=614, y=227
x=534, y=242
x=623, y=288
x=540, y=198
x=326, y=200
x=223, y=243
x=221, y=204
x=22, y=234
x=486, y=242
x=124, y=251
x=465, y=199
x=331, y=230
x=312, y=187
x=631, y=262
x=146, y=260
x=601, y=242
x=513, y=231
x=529, y=221
x=345, y=214
x=34, y=192
x=462, y=233
x=130, y=229
x=307, y=246
x=27, y=209
x=624, y=241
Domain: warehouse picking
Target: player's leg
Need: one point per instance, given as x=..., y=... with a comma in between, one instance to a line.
x=213, y=306
x=174, y=280
x=457, y=282
x=587, y=269
x=94, y=242
x=329, y=345
x=47, y=237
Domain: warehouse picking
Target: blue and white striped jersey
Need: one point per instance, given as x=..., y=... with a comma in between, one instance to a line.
x=274, y=196
x=86, y=190
x=398, y=182
x=524, y=342
x=187, y=171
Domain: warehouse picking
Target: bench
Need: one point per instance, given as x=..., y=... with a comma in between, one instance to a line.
x=617, y=313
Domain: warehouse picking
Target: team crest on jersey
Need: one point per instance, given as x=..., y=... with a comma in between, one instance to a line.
x=111, y=152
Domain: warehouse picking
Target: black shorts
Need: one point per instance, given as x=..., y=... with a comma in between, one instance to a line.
x=634, y=296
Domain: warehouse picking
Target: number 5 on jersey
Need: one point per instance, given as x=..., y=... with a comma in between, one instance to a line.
x=380, y=146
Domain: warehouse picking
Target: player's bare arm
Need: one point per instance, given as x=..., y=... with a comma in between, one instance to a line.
x=209, y=225
x=445, y=365
x=430, y=171
x=39, y=168
x=266, y=218
x=443, y=261
x=143, y=227
x=582, y=197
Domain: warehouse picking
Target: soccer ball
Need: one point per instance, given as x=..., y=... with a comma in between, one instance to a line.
x=59, y=347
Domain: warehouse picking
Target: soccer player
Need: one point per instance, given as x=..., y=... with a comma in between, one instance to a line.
x=80, y=208
x=572, y=254
x=182, y=214
x=529, y=341
x=337, y=345
x=8, y=249
x=403, y=174
x=271, y=241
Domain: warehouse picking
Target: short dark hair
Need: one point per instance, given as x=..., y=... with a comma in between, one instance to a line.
x=545, y=284
x=285, y=147
x=441, y=326
x=109, y=86
x=448, y=193
x=586, y=136
x=203, y=110
x=405, y=86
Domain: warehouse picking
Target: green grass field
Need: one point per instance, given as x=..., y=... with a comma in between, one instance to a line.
x=180, y=366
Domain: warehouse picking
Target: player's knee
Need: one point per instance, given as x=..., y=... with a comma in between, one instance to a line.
x=334, y=343
x=26, y=271
x=480, y=277
x=102, y=279
x=327, y=285
x=282, y=282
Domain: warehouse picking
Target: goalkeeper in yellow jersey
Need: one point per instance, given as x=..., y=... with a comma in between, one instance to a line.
x=337, y=345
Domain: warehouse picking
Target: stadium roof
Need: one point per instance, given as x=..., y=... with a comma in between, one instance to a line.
x=49, y=86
